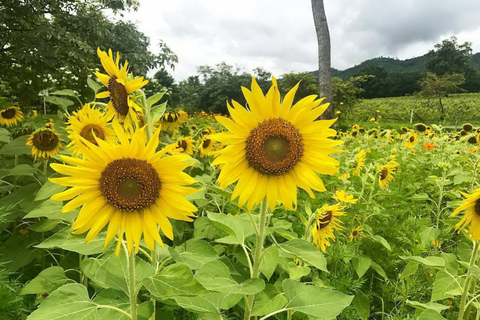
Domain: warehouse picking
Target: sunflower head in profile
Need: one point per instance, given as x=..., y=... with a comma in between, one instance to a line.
x=274, y=147
x=471, y=205
x=356, y=234
x=360, y=159
x=404, y=129
x=326, y=222
x=128, y=186
x=87, y=123
x=386, y=174
x=467, y=127
x=184, y=144
x=420, y=127
x=10, y=117
x=120, y=89
x=171, y=121
x=45, y=143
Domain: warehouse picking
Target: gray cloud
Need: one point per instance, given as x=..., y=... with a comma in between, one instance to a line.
x=280, y=36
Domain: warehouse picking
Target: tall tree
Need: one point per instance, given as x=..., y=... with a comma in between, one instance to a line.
x=324, y=55
x=449, y=57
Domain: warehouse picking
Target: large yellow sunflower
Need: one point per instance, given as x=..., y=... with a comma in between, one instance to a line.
x=121, y=106
x=11, y=116
x=325, y=224
x=45, y=143
x=128, y=186
x=274, y=147
x=87, y=123
x=472, y=206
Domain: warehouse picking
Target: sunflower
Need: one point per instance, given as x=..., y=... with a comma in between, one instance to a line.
x=128, y=186
x=386, y=174
x=184, y=144
x=121, y=106
x=33, y=114
x=341, y=196
x=173, y=120
x=87, y=123
x=326, y=222
x=360, y=159
x=50, y=124
x=472, y=216
x=273, y=147
x=355, y=127
x=11, y=116
x=205, y=146
x=412, y=140
x=356, y=234
x=45, y=143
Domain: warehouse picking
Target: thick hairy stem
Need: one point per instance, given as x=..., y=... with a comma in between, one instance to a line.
x=466, y=287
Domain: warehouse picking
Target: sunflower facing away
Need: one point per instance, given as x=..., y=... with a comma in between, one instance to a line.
x=11, y=116
x=128, y=186
x=472, y=216
x=45, y=143
x=120, y=88
x=273, y=147
x=360, y=159
x=87, y=123
x=325, y=224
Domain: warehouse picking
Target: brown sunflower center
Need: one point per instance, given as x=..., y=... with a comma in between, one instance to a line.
x=9, y=113
x=354, y=233
x=206, y=143
x=45, y=140
x=325, y=220
x=383, y=174
x=118, y=96
x=90, y=131
x=182, y=144
x=274, y=147
x=476, y=207
x=130, y=184
x=412, y=138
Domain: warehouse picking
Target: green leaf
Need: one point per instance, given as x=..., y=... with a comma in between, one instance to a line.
x=197, y=253
x=65, y=92
x=382, y=241
x=306, y=252
x=269, y=262
x=95, y=86
x=110, y=272
x=236, y=227
x=174, y=280
x=61, y=102
x=297, y=272
x=430, y=315
x=158, y=111
x=375, y=266
x=420, y=197
x=4, y=135
x=427, y=306
x=48, y=190
x=51, y=210
x=215, y=276
x=409, y=269
x=47, y=281
x=428, y=261
x=204, y=228
x=269, y=300
x=64, y=239
x=445, y=286
x=314, y=301
x=428, y=234
x=21, y=170
x=361, y=265
x=69, y=302
x=361, y=303
x=155, y=98
x=208, y=303
x=120, y=300
x=462, y=177
x=16, y=147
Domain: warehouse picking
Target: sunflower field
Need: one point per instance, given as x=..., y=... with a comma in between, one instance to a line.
x=126, y=209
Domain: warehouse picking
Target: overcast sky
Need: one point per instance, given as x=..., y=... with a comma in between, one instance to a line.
x=279, y=35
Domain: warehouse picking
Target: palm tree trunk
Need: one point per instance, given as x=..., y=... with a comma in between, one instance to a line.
x=324, y=55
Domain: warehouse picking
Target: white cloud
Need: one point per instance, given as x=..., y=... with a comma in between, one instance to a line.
x=279, y=35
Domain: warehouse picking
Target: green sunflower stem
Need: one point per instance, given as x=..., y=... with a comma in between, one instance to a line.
x=466, y=287
x=147, y=116
x=131, y=285
x=262, y=226
x=155, y=266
